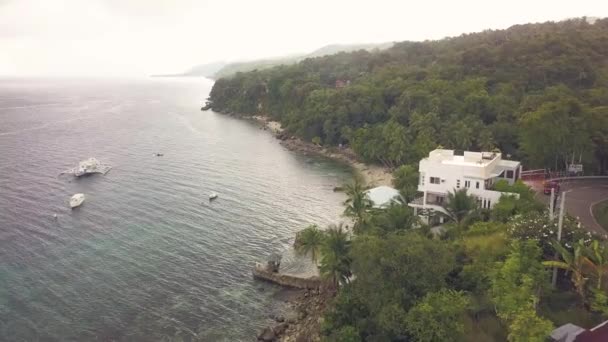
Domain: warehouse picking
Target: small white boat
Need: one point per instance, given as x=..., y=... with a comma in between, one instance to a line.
x=212, y=196
x=76, y=200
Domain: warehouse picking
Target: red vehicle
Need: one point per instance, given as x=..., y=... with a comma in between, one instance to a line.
x=551, y=185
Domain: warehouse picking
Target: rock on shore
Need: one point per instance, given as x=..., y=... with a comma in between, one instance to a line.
x=373, y=175
x=305, y=323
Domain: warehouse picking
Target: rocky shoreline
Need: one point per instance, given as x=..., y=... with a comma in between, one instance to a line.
x=303, y=323
x=373, y=175
x=307, y=306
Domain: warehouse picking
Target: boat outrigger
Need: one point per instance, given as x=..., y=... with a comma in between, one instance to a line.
x=87, y=167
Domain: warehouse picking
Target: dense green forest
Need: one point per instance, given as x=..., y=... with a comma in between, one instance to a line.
x=537, y=92
x=486, y=278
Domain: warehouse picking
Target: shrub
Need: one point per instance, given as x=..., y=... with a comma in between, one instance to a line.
x=537, y=226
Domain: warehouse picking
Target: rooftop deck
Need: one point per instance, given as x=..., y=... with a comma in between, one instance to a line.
x=450, y=157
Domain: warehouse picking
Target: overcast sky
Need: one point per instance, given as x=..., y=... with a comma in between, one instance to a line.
x=140, y=37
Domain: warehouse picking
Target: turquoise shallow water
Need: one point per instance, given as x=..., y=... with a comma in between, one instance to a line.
x=147, y=256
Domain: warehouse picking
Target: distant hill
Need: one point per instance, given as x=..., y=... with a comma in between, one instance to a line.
x=232, y=68
x=202, y=70
x=218, y=70
x=206, y=70
x=335, y=48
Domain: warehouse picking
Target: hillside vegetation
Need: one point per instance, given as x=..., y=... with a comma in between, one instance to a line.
x=538, y=92
x=486, y=278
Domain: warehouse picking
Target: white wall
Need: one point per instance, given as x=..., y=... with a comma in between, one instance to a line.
x=449, y=176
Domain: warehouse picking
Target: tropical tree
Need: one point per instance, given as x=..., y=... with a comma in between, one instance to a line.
x=597, y=260
x=516, y=284
x=537, y=226
x=357, y=204
x=395, y=272
x=309, y=242
x=438, y=316
x=397, y=217
x=335, y=260
x=527, y=326
x=405, y=179
x=460, y=205
x=573, y=263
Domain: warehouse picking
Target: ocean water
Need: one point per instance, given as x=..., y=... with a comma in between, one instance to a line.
x=147, y=257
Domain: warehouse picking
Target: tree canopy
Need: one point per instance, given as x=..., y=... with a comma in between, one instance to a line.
x=538, y=92
x=486, y=279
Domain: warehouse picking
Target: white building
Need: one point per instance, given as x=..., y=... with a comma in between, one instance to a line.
x=447, y=171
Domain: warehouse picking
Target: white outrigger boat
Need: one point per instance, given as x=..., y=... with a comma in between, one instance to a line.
x=76, y=200
x=89, y=166
x=212, y=196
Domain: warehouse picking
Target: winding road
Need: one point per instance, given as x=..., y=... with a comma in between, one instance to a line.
x=582, y=196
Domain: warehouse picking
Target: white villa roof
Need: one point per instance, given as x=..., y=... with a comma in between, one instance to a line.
x=382, y=196
x=508, y=164
x=504, y=165
x=468, y=158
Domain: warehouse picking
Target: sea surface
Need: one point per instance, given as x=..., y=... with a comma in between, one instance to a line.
x=147, y=257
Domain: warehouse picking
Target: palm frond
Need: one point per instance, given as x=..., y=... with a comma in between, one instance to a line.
x=558, y=264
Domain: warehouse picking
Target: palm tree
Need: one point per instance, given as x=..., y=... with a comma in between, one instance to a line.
x=396, y=217
x=357, y=203
x=460, y=205
x=336, y=261
x=572, y=263
x=597, y=260
x=309, y=241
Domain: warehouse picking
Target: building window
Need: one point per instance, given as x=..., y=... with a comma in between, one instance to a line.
x=476, y=185
x=435, y=180
x=467, y=184
x=484, y=203
x=510, y=174
x=458, y=184
x=488, y=204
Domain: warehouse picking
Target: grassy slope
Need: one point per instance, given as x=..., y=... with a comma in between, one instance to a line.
x=600, y=211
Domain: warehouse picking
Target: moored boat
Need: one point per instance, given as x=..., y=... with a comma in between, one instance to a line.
x=76, y=200
x=88, y=166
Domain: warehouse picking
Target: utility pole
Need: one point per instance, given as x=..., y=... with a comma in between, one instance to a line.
x=560, y=223
x=552, y=204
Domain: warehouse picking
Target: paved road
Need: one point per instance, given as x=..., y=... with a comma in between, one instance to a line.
x=582, y=195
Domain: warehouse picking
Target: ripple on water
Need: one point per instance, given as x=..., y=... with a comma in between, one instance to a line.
x=147, y=255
